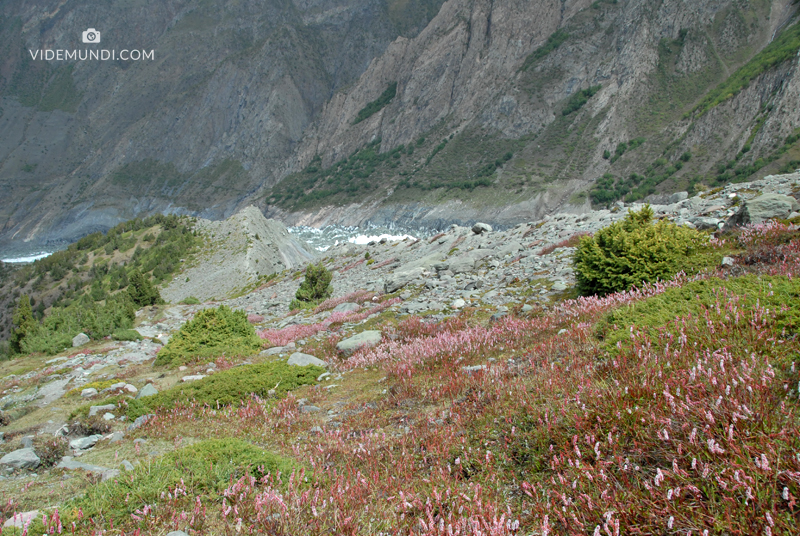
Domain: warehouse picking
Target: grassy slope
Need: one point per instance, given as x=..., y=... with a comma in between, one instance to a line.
x=690, y=423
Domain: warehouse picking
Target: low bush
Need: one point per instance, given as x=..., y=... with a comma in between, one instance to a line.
x=126, y=335
x=211, y=333
x=204, y=467
x=191, y=300
x=635, y=251
x=229, y=387
x=50, y=450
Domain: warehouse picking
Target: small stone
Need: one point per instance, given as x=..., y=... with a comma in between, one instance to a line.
x=323, y=376
x=562, y=331
x=116, y=437
x=27, y=442
x=559, y=286
x=316, y=430
x=299, y=359
x=126, y=465
x=89, y=393
x=309, y=409
x=139, y=441
x=183, y=368
x=109, y=416
x=140, y=421
x=727, y=261
x=498, y=315
x=527, y=308
x=131, y=388
x=473, y=368
x=80, y=339
x=458, y=304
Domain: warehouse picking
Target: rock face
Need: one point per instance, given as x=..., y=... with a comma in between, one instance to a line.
x=765, y=207
x=365, y=338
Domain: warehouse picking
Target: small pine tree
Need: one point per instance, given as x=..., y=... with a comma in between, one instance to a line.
x=316, y=286
x=142, y=291
x=25, y=324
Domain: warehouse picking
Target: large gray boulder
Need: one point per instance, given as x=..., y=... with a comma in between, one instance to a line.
x=365, y=338
x=299, y=359
x=346, y=307
x=466, y=261
x=21, y=459
x=80, y=339
x=765, y=207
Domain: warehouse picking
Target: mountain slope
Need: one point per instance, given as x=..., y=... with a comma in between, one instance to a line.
x=571, y=91
x=232, y=86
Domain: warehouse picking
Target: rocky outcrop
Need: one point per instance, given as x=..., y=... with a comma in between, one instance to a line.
x=765, y=207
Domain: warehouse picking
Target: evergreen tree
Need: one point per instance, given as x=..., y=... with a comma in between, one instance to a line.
x=317, y=284
x=24, y=323
x=142, y=291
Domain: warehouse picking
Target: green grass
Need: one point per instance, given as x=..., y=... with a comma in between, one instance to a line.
x=783, y=48
x=126, y=335
x=205, y=468
x=211, y=333
x=578, y=99
x=778, y=293
x=378, y=104
x=229, y=387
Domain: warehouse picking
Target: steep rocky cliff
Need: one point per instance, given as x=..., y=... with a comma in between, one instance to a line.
x=525, y=104
x=386, y=111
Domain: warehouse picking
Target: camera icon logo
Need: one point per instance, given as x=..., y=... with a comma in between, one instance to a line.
x=91, y=36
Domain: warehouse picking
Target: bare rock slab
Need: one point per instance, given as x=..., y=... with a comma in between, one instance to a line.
x=80, y=339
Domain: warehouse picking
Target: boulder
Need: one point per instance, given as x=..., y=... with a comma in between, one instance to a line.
x=458, y=304
x=21, y=520
x=480, y=228
x=346, y=307
x=706, y=224
x=94, y=410
x=83, y=443
x=192, y=378
x=80, y=339
x=398, y=280
x=765, y=207
x=140, y=421
x=365, y=338
x=21, y=459
x=299, y=359
x=147, y=390
x=89, y=393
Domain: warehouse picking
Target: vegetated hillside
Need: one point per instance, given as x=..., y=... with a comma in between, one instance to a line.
x=528, y=104
x=99, y=266
x=516, y=408
x=85, y=145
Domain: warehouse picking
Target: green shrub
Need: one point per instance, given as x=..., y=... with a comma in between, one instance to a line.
x=24, y=324
x=96, y=320
x=378, y=104
x=634, y=251
x=191, y=300
x=126, y=335
x=229, y=387
x=578, y=99
x=777, y=293
x=211, y=333
x=314, y=288
x=142, y=291
x=553, y=42
x=204, y=468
